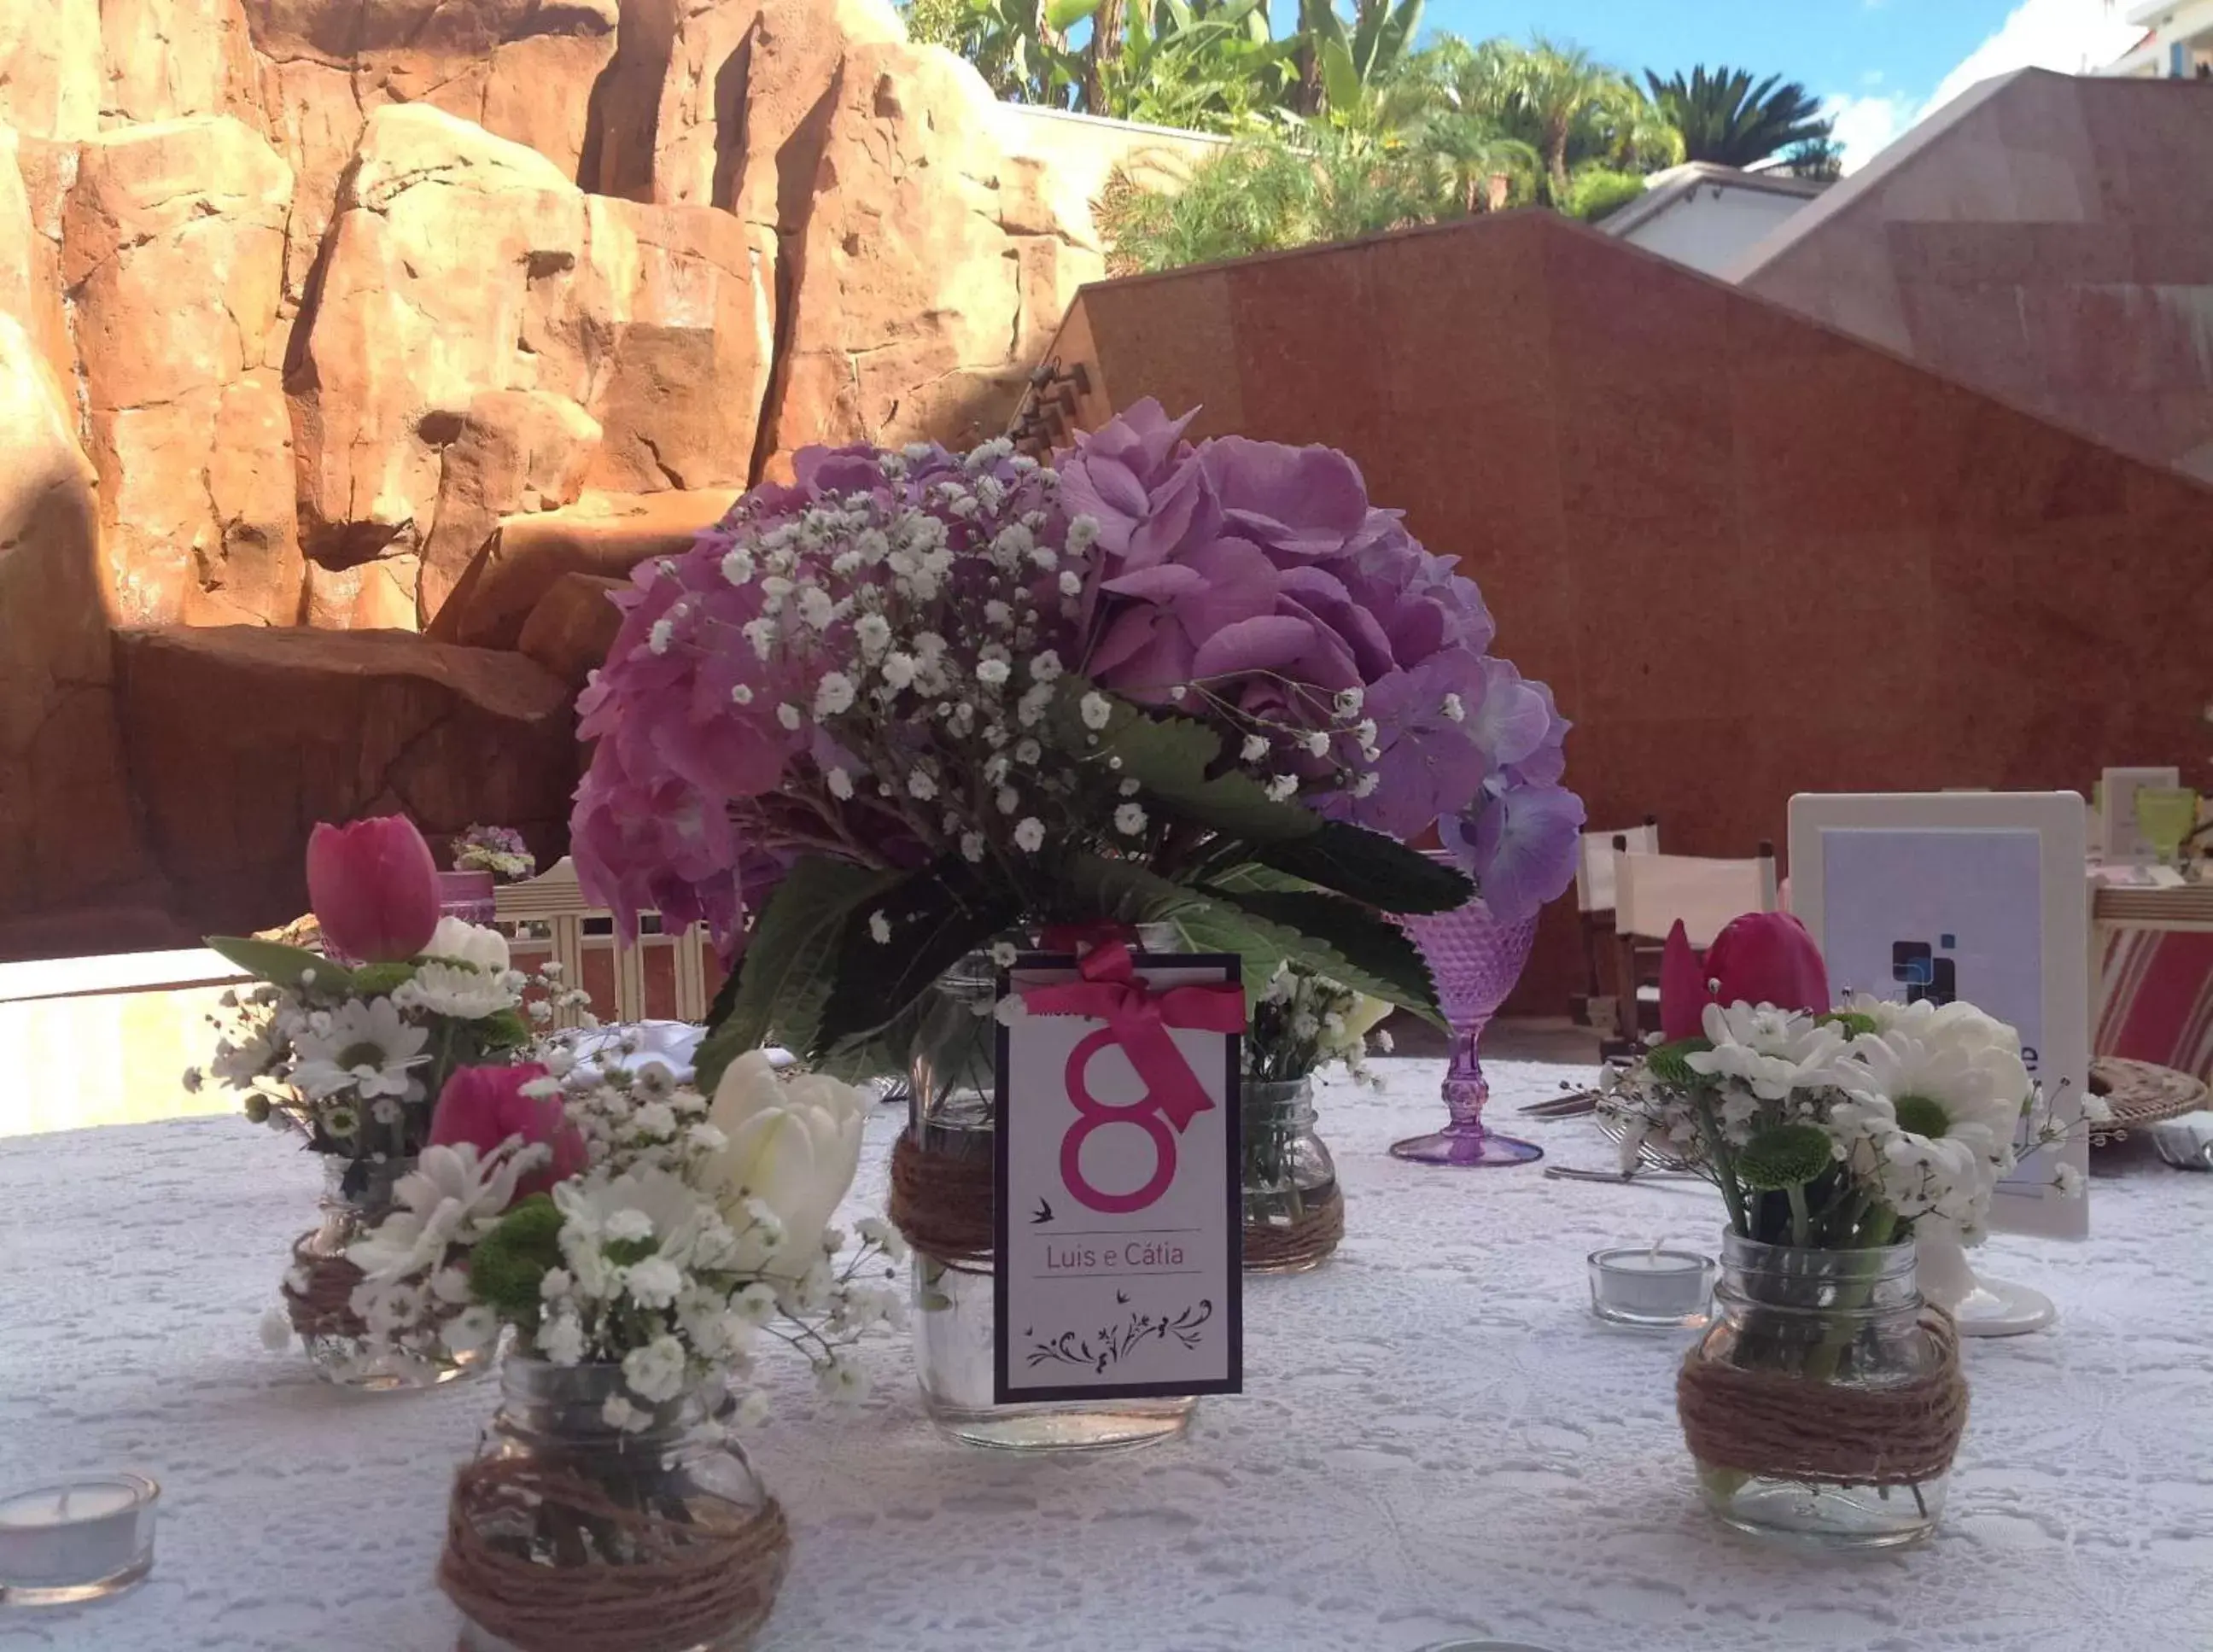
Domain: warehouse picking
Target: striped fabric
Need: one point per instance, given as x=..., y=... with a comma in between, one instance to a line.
x=2156, y=999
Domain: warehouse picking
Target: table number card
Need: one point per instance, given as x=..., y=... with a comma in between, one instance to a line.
x=1119, y=1220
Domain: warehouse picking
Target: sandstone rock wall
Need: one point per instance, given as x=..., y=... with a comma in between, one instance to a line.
x=387, y=314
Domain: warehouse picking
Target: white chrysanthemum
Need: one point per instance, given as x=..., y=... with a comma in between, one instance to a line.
x=475, y=944
x=453, y=989
x=1772, y=1052
x=1950, y=1088
x=365, y=1047
x=452, y=1195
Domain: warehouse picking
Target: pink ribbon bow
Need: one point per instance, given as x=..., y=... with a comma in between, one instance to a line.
x=1138, y=1017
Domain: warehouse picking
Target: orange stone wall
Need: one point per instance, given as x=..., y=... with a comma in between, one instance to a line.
x=1753, y=556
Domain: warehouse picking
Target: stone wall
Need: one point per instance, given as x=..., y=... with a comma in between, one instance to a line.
x=2047, y=238
x=1752, y=555
x=405, y=316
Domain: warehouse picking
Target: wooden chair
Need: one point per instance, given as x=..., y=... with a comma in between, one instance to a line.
x=1595, y=861
x=547, y=916
x=1651, y=893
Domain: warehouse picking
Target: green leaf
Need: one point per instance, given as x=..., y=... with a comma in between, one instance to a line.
x=1339, y=79
x=1169, y=756
x=283, y=965
x=1066, y=14
x=1369, y=867
x=937, y=915
x=1125, y=892
x=789, y=970
x=1220, y=926
x=1340, y=939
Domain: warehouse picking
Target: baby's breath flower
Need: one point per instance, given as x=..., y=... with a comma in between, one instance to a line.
x=1129, y=820
x=880, y=929
x=788, y=714
x=1029, y=835
x=840, y=784
x=1097, y=711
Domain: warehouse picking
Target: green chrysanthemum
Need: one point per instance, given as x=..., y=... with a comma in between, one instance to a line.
x=1667, y=1064
x=1918, y=1114
x=1852, y=1023
x=510, y=1261
x=1784, y=1156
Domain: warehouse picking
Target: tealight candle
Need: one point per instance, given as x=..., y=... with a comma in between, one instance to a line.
x=63, y=1544
x=1653, y=1288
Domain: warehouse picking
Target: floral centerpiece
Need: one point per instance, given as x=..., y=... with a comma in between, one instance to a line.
x=349, y=1047
x=639, y=1238
x=1857, y=1147
x=1302, y=1024
x=499, y=850
x=919, y=704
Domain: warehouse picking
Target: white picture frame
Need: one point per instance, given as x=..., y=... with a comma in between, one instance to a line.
x=1977, y=894
x=2123, y=845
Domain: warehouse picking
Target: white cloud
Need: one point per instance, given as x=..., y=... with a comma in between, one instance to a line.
x=1866, y=125
x=2069, y=36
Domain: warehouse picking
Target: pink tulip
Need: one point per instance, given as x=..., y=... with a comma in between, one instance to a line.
x=485, y=1105
x=1759, y=958
x=374, y=888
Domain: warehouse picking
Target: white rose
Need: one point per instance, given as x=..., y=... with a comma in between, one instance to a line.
x=468, y=943
x=793, y=1146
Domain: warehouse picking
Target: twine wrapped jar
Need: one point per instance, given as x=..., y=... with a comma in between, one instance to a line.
x=1826, y=1404
x=317, y=1288
x=1294, y=1211
x=569, y=1534
x=942, y=1200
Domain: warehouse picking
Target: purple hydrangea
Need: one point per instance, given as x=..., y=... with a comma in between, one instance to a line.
x=1253, y=582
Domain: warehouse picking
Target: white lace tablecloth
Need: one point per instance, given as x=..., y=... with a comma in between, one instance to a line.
x=1437, y=1440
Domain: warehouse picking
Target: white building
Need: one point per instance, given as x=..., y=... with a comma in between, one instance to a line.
x=2178, y=42
x=1708, y=216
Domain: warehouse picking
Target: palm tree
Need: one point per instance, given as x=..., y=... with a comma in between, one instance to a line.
x=1726, y=119
x=1564, y=105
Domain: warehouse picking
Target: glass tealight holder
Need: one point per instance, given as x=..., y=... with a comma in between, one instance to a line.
x=67, y=1542
x=1652, y=1289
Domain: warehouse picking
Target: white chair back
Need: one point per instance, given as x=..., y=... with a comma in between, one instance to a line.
x=555, y=901
x=1651, y=892
x=1594, y=863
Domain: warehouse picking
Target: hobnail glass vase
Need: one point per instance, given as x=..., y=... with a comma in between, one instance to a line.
x=569, y=1530
x=1808, y=1344
x=1475, y=960
x=1293, y=1210
x=357, y=1195
x=473, y=897
x=953, y=1083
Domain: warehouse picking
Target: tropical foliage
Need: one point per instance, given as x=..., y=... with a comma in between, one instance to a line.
x=1725, y=118
x=1349, y=125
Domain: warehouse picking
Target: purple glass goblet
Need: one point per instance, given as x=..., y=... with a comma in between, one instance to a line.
x=1475, y=960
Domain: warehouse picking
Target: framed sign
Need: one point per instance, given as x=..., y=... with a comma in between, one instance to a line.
x=1973, y=895
x=1120, y=1221
x=2125, y=842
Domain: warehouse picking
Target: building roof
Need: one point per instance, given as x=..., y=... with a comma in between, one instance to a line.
x=1665, y=189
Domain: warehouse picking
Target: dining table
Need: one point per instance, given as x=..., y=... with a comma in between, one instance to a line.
x=1437, y=1438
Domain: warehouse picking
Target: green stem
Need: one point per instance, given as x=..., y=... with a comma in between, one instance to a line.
x=1724, y=1164
x=1801, y=1219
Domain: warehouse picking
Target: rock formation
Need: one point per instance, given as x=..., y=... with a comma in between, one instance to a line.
x=438, y=315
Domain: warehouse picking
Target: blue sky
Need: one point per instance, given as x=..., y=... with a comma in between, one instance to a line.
x=1881, y=64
